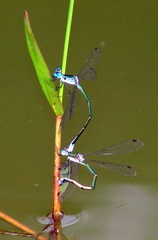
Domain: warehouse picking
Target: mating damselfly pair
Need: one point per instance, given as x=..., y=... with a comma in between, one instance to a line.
x=69, y=169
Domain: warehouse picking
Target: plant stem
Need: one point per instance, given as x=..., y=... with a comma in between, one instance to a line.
x=59, y=118
x=57, y=208
x=66, y=43
x=57, y=204
x=19, y=225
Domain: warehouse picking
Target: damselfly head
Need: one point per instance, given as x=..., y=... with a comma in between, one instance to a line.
x=64, y=152
x=57, y=73
x=58, y=70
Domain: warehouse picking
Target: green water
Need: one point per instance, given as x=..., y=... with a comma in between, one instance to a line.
x=124, y=104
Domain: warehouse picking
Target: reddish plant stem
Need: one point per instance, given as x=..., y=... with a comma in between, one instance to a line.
x=57, y=205
x=19, y=225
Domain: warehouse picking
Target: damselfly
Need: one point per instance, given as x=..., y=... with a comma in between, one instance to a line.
x=88, y=73
x=77, y=158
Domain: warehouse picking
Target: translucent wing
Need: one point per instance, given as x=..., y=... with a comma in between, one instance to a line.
x=121, y=148
x=88, y=72
x=70, y=107
x=68, y=170
x=117, y=168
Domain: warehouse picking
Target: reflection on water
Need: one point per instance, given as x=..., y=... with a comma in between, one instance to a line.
x=66, y=221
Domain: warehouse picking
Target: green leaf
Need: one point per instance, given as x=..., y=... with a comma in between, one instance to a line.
x=42, y=70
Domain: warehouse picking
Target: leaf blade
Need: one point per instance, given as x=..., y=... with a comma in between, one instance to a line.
x=41, y=68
